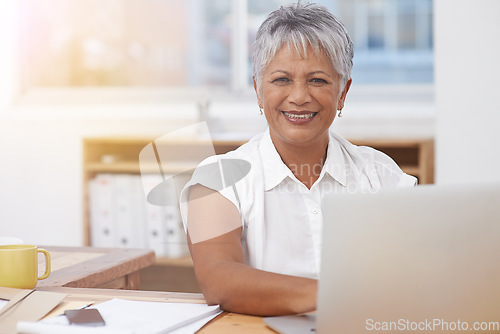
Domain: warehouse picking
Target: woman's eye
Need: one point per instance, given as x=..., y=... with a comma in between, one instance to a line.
x=318, y=81
x=281, y=80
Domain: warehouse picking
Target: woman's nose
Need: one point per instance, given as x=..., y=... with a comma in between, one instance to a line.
x=299, y=94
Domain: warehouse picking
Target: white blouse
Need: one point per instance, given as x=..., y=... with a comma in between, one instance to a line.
x=281, y=218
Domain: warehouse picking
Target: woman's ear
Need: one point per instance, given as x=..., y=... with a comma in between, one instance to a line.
x=344, y=94
x=256, y=91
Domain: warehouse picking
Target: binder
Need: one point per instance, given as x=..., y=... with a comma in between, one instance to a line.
x=102, y=221
x=122, y=187
x=138, y=214
x=175, y=238
x=176, y=243
x=121, y=216
x=155, y=229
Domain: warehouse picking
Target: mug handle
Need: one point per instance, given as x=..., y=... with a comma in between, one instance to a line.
x=47, y=263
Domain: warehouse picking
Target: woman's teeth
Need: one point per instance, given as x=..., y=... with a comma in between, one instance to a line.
x=299, y=116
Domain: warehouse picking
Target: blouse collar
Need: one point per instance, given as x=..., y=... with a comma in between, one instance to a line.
x=275, y=170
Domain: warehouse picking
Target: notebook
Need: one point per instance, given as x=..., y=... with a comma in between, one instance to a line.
x=422, y=259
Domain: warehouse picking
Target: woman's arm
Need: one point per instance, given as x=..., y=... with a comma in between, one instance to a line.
x=214, y=239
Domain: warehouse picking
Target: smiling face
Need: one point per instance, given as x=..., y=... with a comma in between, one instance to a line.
x=300, y=97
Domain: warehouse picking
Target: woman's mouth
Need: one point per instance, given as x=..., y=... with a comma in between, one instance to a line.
x=297, y=117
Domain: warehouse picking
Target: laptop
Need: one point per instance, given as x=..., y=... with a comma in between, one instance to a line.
x=422, y=259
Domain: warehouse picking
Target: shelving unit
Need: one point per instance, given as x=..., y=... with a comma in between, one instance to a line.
x=121, y=155
x=414, y=156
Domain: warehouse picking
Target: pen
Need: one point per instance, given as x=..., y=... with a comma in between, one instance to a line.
x=88, y=305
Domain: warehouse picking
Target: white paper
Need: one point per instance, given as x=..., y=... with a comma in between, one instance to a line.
x=195, y=326
x=3, y=302
x=30, y=327
x=130, y=316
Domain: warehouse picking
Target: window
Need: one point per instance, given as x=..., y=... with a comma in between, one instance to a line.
x=202, y=43
x=392, y=38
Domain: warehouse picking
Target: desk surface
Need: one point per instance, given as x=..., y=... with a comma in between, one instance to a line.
x=224, y=323
x=88, y=267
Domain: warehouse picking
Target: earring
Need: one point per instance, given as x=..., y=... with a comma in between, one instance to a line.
x=340, y=113
x=260, y=111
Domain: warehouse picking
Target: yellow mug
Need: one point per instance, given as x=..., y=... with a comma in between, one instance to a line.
x=19, y=266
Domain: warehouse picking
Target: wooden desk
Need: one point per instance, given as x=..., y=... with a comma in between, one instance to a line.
x=87, y=267
x=224, y=323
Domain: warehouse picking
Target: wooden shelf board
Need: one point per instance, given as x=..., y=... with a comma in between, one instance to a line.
x=390, y=142
x=185, y=261
x=189, y=141
x=412, y=170
x=133, y=167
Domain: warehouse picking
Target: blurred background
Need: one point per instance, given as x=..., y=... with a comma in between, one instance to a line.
x=74, y=70
x=193, y=43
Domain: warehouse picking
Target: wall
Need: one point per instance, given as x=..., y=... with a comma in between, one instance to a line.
x=467, y=86
x=7, y=41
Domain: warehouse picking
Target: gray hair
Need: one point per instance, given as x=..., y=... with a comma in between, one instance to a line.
x=302, y=25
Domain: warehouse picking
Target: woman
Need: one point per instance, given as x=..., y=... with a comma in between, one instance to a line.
x=256, y=244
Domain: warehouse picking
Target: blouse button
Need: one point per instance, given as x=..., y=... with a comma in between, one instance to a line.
x=315, y=211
